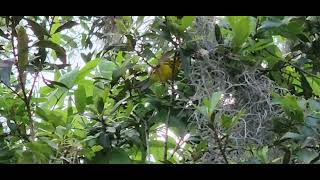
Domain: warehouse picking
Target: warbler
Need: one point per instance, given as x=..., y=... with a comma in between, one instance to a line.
x=162, y=72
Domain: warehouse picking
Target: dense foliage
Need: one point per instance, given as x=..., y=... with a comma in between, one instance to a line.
x=164, y=89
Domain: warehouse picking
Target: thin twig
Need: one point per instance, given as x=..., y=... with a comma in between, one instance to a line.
x=165, y=155
x=15, y=92
x=220, y=146
x=144, y=60
x=12, y=43
x=181, y=141
x=172, y=103
x=50, y=25
x=32, y=87
x=305, y=72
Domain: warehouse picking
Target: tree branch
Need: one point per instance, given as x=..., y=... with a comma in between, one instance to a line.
x=51, y=23
x=181, y=141
x=22, y=85
x=32, y=87
x=165, y=155
x=144, y=60
x=217, y=139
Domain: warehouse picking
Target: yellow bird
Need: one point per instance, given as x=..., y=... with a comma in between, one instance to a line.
x=162, y=73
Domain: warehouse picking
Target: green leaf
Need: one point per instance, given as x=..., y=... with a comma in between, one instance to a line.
x=88, y=85
x=55, y=37
x=139, y=21
x=226, y=121
x=214, y=100
x=186, y=21
x=84, y=25
x=266, y=25
x=38, y=30
x=117, y=73
x=236, y=118
x=52, y=83
x=87, y=69
x=69, y=40
x=178, y=125
x=119, y=157
x=290, y=106
x=159, y=144
x=315, y=84
x=49, y=142
x=83, y=40
x=70, y=116
x=96, y=148
x=261, y=44
x=306, y=156
x=116, y=106
x=203, y=110
x=218, y=34
x=66, y=25
x=291, y=135
x=241, y=28
x=289, y=27
x=80, y=99
x=314, y=105
x=159, y=90
x=69, y=78
x=186, y=62
x=56, y=117
x=60, y=51
x=40, y=152
x=121, y=26
x=157, y=152
x=303, y=37
x=100, y=105
x=60, y=131
x=313, y=122
x=41, y=113
x=26, y=158
x=106, y=69
x=262, y=154
x=119, y=58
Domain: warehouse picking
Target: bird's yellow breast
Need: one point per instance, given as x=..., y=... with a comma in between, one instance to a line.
x=165, y=72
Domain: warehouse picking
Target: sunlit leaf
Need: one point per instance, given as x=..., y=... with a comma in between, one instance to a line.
x=241, y=27
x=214, y=100
x=87, y=69
x=186, y=21
x=56, y=24
x=107, y=68
x=80, y=98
